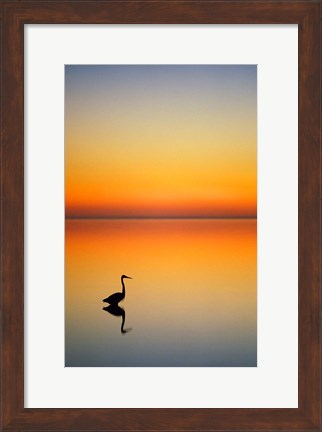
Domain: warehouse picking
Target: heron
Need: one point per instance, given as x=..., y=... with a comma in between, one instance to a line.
x=115, y=298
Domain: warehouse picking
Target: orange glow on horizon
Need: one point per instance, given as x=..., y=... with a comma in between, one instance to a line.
x=231, y=244
x=136, y=149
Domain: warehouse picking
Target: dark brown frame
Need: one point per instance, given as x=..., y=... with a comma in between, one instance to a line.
x=17, y=13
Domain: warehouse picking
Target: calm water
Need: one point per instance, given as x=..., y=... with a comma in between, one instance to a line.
x=192, y=300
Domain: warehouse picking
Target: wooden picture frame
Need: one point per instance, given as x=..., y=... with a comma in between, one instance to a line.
x=307, y=417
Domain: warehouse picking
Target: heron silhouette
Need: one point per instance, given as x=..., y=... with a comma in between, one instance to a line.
x=116, y=310
x=115, y=298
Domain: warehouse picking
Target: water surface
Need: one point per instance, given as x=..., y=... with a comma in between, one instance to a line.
x=192, y=300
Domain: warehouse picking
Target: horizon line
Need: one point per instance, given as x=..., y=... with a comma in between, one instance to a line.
x=161, y=217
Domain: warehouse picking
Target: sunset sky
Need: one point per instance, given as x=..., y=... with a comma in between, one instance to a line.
x=160, y=141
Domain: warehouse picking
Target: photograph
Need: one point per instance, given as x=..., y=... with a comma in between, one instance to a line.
x=161, y=215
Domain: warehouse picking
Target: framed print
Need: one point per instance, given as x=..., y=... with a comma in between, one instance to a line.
x=160, y=215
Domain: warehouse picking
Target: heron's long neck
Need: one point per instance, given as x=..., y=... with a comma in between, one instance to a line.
x=123, y=287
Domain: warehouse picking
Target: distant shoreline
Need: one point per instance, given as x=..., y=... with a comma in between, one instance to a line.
x=156, y=217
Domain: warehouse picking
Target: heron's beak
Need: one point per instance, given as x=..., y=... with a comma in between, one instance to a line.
x=128, y=277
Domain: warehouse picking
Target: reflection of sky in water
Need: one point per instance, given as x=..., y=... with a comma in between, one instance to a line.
x=192, y=300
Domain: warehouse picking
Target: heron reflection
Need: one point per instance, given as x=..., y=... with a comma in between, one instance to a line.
x=116, y=310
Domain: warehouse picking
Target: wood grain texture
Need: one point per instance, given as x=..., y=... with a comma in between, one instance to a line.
x=159, y=12
x=309, y=217
x=17, y=13
x=12, y=219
